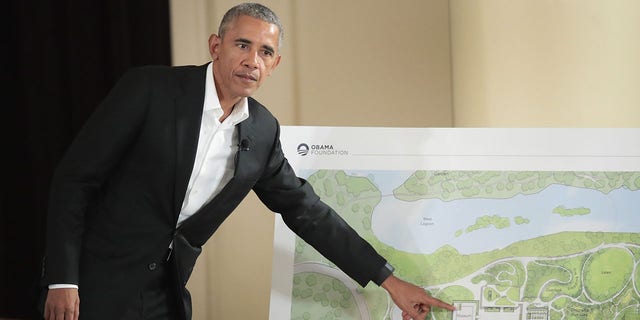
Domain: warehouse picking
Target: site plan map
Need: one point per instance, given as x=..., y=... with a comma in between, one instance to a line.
x=499, y=244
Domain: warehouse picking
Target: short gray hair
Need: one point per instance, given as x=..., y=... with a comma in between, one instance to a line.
x=254, y=10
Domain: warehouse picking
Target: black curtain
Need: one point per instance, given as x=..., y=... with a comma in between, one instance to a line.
x=59, y=59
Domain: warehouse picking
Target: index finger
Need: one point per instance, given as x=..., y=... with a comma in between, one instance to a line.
x=441, y=304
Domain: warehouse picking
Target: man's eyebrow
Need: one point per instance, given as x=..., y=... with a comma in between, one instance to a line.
x=243, y=40
x=247, y=41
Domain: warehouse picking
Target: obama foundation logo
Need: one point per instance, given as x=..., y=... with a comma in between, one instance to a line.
x=320, y=150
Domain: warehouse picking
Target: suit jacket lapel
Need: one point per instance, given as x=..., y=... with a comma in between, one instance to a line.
x=188, y=111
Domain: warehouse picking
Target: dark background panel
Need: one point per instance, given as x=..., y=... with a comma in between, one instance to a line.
x=59, y=59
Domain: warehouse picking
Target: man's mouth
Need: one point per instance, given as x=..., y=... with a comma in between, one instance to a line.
x=247, y=76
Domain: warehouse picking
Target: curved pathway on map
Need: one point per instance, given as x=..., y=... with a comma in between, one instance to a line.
x=335, y=273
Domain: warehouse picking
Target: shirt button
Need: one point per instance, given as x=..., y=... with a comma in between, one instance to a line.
x=152, y=266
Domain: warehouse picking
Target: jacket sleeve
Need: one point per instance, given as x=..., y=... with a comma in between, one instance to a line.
x=314, y=221
x=81, y=173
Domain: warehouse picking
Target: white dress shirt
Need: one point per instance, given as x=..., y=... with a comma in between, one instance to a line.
x=217, y=146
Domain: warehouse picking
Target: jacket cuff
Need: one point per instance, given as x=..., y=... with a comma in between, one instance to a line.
x=383, y=274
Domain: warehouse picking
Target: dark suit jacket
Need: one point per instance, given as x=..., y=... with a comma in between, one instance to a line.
x=117, y=193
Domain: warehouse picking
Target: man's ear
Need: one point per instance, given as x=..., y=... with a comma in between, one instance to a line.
x=214, y=45
x=277, y=61
x=275, y=64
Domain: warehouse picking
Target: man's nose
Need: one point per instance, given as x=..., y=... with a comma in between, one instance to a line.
x=252, y=60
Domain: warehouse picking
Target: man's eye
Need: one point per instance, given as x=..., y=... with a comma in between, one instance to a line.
x=268, y=53
x=242, y=45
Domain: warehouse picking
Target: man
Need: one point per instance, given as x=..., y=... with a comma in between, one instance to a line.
x=162, y=162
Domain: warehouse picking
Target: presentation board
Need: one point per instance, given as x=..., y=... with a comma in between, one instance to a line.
x=506, y=224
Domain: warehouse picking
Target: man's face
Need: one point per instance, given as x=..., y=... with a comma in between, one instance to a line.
x=246, y=55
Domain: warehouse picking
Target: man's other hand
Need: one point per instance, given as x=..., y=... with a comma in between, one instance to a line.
x=62, y=304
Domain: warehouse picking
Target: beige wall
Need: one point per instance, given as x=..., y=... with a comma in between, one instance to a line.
x=372, y=63
x=415, y=63
x=546, y=63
